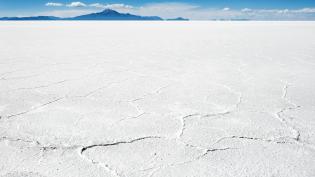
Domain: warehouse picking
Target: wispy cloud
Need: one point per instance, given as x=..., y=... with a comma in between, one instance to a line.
x=246, y=10
x=118, y=6
x=226, y=9
x=111, y=6
x=169, y=10
x=76, y=4
x=305, y=10
x=54, y=4
x=279, y=14
x=97, y=5
x=191, y=11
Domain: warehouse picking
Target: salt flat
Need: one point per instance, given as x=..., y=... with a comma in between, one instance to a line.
x=157, y=99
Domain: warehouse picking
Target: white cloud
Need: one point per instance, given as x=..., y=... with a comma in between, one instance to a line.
x=279, y=14
x=54, y=4
x=246, y=10
x=168, y=10
x=226, y=9
x=112, y=6
x=305, y=10
x=280, y=11
x=283, y=11
x=97, y=5
x=76, y=4
x=173, y=10
x=118, y=6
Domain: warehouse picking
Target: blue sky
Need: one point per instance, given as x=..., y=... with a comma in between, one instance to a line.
x=193, y=9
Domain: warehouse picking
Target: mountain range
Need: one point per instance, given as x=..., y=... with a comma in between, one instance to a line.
x=107, y=14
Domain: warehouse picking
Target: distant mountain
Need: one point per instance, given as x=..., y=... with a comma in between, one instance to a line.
x=30, y=18
x=178, y=19
x=107, y=14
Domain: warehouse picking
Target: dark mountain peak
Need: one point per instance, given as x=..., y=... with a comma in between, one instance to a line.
x=178, y=19
x=109, y=12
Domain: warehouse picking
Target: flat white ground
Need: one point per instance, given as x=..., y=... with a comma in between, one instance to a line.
x=157, y=99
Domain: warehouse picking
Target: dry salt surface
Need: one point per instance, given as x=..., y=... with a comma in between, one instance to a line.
x=157, y=99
